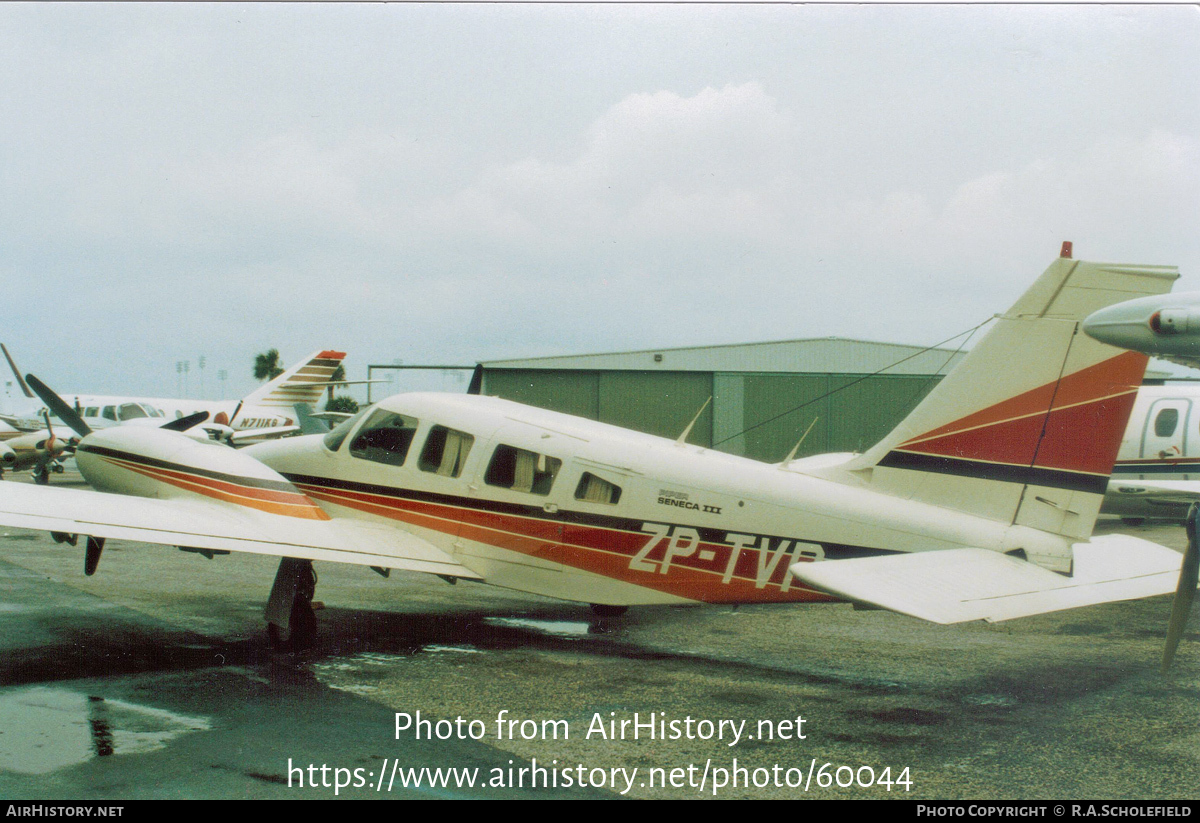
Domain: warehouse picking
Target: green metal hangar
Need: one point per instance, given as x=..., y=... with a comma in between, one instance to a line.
x=764, y=395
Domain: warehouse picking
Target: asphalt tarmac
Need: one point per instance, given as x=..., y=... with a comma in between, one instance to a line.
x=154, y=679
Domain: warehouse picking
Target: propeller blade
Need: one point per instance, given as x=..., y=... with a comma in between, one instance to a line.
x=476, y=385
x=57, y=405
x=16, y=372
x=185, y=423
x=1186, y=592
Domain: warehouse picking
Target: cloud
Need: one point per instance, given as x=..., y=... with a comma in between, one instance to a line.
x=1128, y=188
x=654, y=164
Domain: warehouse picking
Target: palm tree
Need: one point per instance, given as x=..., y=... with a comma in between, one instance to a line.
x=267, y=366
x=339, y=374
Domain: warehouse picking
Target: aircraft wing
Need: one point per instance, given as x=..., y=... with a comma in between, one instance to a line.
x=957, y=585
x=23, y=424
x=202, y=525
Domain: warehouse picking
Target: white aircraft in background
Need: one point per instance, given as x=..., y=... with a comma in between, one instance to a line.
x=979, y=505
x=1157, y=473
x=27, y=441
x=39, y=450
x=265, y=413
x=1167, y=326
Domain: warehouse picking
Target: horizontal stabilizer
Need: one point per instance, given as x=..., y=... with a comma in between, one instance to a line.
x=245, y=437
x=203, y=525
x=957, y=585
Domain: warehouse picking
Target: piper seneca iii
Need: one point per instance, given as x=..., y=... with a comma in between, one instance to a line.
x=979, y=505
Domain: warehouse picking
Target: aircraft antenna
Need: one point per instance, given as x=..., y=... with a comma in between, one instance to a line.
x=682, y=441
x=796, y=447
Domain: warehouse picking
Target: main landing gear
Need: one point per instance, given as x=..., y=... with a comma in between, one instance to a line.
x=291, y=622
x=41, y=474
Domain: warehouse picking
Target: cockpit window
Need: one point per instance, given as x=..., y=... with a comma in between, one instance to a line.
x=521, y=470
x=337, y=435
x=445, y=451
x=384, y=438
x=110, y=413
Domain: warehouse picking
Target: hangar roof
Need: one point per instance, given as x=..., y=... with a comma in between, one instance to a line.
x=818, y=355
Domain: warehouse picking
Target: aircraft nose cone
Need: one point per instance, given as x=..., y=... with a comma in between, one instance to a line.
x=1125, y=325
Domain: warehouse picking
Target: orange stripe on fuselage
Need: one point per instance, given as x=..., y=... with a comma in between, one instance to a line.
x=275, y=502
x=596, y=549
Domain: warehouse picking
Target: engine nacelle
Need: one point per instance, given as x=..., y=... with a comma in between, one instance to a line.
x=8, y=457
x=1174, y=321
x=151, y=462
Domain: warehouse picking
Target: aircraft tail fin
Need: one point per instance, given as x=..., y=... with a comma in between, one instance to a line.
x=302, y=383
x=1026, y=428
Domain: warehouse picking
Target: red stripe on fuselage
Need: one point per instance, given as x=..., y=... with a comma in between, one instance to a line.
x=600, y=550
x=1083, y=430
x=275, y=502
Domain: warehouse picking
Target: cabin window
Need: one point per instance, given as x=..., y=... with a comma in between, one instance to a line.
x=521, y=470
x=593, y=489
x=384, y=438
x=1165, y=422
x=445, y=451
x=91, y=411
x=110, y=413
x=337, y=435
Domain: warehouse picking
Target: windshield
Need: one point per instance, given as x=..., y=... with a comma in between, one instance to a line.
x=333, y=441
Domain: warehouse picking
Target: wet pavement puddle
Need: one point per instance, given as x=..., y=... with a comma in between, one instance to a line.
x=45, y=729
x=556, y=628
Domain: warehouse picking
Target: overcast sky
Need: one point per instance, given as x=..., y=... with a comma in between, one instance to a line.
x=445, y=183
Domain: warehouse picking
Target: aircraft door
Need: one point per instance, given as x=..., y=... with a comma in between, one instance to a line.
x=517, y=519
x=1165, y=435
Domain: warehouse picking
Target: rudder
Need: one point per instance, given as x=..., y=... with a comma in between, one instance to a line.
x=1026, y=428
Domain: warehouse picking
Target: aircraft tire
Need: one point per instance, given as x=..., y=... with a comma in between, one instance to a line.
x=302, y=629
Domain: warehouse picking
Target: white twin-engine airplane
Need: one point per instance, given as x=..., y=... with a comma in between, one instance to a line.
x=979, y=505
